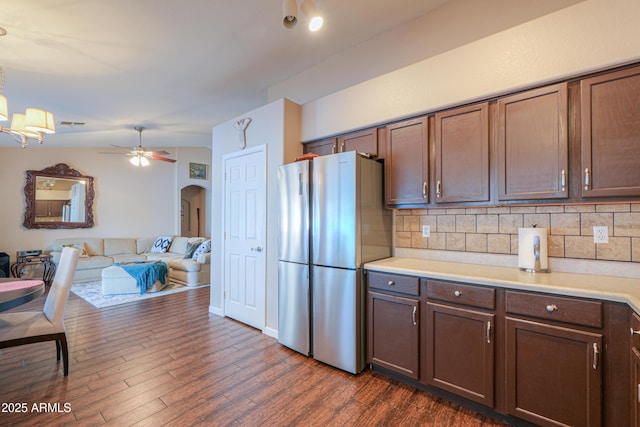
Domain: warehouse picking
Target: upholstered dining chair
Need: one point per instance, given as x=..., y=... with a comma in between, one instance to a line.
x=47, y=325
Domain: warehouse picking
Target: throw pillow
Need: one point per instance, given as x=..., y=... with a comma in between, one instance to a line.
x=161, y=244
x=204, y=248
x=191, y=248
x=78, y=246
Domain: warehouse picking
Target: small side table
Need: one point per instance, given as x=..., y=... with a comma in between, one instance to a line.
x=26, y=262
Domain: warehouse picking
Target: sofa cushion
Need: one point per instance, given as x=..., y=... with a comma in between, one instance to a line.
x=179, y=245
x=128, y=258
x=94, y=262
x=119, y=246
x=185, y=265
x=161, y=244
x=144, y=245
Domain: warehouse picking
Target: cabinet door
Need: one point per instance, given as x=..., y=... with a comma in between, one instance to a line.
x=460, y=351
x=635, y=370
x=610, y=137
x=462, y=154
x=406, y=164
x=393, y=333
x=554, y=374
x=365, y=141
x=533, y=145
x=322, y=147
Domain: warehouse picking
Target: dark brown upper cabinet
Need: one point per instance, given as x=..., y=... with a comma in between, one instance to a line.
x=407, y=164
x=321, y=147
x=610, y=134
x=533, y=144
x=462, y=154
x=364, y=141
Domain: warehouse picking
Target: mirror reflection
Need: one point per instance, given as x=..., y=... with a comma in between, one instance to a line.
x=58, y=197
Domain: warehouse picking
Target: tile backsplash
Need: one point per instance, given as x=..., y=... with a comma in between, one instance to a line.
x=495, y=229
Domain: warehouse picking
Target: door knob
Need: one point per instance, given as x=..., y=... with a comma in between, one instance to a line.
x=257, y=249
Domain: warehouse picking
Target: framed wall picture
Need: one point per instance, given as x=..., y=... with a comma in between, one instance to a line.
x=197, y=171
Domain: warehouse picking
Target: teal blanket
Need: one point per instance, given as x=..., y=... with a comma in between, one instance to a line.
x=146, y=274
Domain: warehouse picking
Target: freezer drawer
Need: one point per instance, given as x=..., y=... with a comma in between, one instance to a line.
x=338, y=318
x=294, y=306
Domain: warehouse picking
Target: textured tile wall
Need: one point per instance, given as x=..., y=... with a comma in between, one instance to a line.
x=495, y=229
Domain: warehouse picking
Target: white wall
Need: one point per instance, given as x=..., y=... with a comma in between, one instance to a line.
x=586, y=36
x=276, y=125
x=129, y=201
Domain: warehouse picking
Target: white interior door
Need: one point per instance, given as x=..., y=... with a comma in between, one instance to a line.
x=244, y=231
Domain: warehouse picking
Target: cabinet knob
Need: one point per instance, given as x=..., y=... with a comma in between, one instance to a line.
x=551, y=308
x=458, y=294
x=634, y=332
x=391, y=283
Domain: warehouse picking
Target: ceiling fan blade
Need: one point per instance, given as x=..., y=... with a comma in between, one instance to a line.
x=164, y=159
x=158, y=153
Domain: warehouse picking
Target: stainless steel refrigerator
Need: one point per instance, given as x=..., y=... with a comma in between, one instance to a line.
x=332, y=221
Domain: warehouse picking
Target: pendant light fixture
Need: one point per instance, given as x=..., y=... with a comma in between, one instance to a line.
x=33, y=124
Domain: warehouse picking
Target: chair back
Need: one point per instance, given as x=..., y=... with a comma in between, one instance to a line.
x=60, y=287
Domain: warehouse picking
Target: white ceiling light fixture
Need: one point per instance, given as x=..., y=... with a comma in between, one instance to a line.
x=308, y=9
x=31, y=125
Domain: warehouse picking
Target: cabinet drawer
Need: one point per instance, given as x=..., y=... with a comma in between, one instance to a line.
x=552, y=307
x=635, y=330
x=475, y=296
x=394, y=283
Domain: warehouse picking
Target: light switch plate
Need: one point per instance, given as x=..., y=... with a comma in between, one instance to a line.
x=426, y=231
x=600, y=234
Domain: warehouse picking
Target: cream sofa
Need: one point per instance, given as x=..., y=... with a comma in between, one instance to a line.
x=102, y=253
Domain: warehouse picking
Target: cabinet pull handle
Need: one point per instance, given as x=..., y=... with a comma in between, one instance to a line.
x=415, y=309
x=458, y=294
x=596, y=354
x=391, y=283
x=439, y=189
x=563, y=180
x=634, y=332
x=342, y=147
x=489, y=332
x=551, y=308
x=424, y=190
x=333, y=149
x=587, y=179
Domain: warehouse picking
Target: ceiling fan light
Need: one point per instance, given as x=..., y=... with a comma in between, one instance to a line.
x=144, y=161
x=310, y=12
x=135, y=161
x=18, y=126
x=4, y=110
x=39, y=120
x=316, y=23
x=289, y=13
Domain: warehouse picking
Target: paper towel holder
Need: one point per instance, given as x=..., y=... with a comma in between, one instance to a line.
x=537, y=253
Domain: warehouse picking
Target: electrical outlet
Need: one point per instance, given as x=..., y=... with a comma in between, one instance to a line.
x=426, y=231
x=600, y=234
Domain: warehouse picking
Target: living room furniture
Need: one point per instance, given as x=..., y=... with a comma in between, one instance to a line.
x=118, y=279
x=17, y=292
x=46, y=325
x=101, y=253
x=24, y=263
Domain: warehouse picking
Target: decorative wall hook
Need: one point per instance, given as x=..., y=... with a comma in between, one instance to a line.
x=241, y=127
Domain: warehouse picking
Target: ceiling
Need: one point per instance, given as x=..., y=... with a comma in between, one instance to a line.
x=181, y=67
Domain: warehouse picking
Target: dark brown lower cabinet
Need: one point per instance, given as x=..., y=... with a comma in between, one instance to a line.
x=460, y=351
x=394, y=333
x=635, y=369
x=553, y=374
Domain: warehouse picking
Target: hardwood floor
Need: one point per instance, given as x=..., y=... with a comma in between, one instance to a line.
x=167, y=361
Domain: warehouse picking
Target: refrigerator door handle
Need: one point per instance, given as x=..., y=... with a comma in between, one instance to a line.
x=300, y=184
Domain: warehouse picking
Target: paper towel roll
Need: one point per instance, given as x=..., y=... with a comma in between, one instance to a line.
x=527, y=251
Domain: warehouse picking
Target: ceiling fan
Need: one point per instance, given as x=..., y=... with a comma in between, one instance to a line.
x=139, y=156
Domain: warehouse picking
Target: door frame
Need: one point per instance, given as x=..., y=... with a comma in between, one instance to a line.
x=225, y=158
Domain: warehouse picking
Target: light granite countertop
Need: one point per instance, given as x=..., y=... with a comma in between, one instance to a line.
x=608, y=288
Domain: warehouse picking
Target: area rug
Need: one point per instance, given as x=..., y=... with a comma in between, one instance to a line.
x=92, y=293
